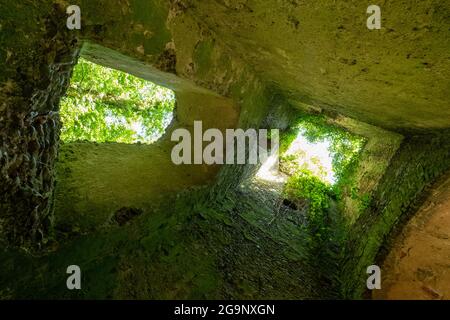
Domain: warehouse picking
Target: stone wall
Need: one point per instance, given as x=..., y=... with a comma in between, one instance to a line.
x=231, y=53
x=37, y=56
x=419, y=161
x=36, y=61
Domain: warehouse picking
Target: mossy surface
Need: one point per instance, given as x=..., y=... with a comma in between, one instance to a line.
x=221, y=58
x=95, y=180
x=321, y=53
x=416, y=165
x=187, y=248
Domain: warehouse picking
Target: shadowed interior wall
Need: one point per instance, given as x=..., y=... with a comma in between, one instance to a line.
x=36, y=60
x=417, y=266
x=232, y=63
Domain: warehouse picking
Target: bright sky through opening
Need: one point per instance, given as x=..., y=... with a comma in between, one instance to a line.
x=313, y=156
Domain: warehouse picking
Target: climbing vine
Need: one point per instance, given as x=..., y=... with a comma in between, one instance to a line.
x=344, y=146
x=303, y=185
x=344, y=149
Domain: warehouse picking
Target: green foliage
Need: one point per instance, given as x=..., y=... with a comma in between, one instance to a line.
x=344, y=148
x=107, y=105
x=365, y=201
x=304, y=185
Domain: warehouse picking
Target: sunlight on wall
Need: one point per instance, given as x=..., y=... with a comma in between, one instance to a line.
x=269, y=170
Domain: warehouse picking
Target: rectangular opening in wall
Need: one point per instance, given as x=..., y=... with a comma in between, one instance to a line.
x=107, y=105
x=317, y=165
x=314, y=147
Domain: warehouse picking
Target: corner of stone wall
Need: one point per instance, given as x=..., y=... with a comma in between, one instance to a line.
x=418, y=162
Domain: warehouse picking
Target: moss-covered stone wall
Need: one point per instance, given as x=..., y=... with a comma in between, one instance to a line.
x=232, y=63
x=419, y=161
x=36, y=58
x=38, y=53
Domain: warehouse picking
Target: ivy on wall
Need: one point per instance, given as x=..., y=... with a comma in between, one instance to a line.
x=106, y=105
x=302, y=183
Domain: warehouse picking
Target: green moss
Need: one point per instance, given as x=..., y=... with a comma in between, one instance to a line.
x=418, y=162
x=203, y=56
